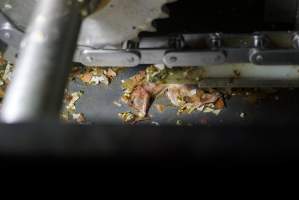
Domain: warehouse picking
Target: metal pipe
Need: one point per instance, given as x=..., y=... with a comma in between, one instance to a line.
x=39, y=80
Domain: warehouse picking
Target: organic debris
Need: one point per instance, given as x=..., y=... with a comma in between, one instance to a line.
x=186, y=75
x=69, y=113
x=160, y=108
x=94, y=75
x=72, y=99
x=128, y=117
x=219, y=105
x=5, y=76
x=189, y=99
x=2, y=93
x=79, y=118
x=3, y=62
x=143, y=88
x=139, y=93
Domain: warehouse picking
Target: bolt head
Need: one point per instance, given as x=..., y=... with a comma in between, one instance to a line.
x=173, y=59
x=259, y=58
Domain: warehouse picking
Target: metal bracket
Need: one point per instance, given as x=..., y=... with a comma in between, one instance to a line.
x=108, y=58
x=193, y=58
x=274, y=57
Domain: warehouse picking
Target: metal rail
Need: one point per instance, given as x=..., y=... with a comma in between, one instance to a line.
x=265, y=48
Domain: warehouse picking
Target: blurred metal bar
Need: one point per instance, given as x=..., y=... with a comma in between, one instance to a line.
x=42, y=68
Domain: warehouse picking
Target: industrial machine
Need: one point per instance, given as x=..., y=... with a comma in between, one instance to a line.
x=232, y=43
x=44, y=36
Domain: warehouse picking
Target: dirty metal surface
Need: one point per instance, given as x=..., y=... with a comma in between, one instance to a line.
x=278, y=108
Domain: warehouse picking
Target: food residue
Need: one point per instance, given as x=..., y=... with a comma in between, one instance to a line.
x=69, y=112
x=160, y=108
x=94, y=75
x=142, y=89
x=128, y=117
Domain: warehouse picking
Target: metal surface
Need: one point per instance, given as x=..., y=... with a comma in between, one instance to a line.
x=91, y=57
x=236, y=63
x=99, y=30
x=193, y=58
x=9, y=32
x=115, y=21
x=279, y=48
x=120, y=20
x=266, y=48
x=274, y=57
x=18, y=11
x=97, y=103
x=229, y=75
x=37, y=87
